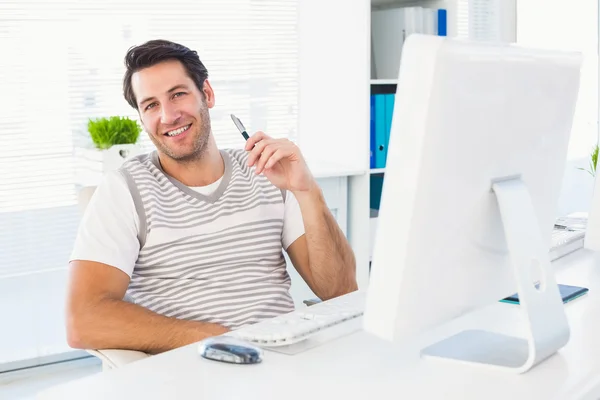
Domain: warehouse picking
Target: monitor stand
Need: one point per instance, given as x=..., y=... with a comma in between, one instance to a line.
x=548, y=329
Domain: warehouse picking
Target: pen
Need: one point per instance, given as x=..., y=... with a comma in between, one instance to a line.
x=240, y=126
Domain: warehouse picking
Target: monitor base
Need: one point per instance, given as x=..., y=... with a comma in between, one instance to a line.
x=548, y=328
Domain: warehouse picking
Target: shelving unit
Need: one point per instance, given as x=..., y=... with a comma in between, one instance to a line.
x=476, y=19
x=386, y=86
x=334, y=102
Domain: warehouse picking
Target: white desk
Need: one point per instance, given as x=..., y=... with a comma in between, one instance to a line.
x=357, y=366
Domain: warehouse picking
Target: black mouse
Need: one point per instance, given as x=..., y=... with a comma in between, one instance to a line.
x=230, y=350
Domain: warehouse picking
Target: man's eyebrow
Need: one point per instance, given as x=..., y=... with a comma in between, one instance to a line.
x=174, y=88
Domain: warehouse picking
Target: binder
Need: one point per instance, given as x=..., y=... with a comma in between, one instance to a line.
x=442, y=22
x=380, y=131
x=389, y=115
x=372, y=134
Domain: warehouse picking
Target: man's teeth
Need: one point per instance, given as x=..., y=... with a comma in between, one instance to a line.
x=178, y=131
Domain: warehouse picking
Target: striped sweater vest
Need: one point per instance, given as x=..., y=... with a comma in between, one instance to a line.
x=215, y=258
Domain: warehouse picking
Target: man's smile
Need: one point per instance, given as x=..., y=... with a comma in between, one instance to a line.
x=178, y=131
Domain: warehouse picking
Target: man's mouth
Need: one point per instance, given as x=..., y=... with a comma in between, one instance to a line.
x=178, y=131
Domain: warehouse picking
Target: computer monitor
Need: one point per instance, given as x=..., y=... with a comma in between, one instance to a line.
x=476, y=156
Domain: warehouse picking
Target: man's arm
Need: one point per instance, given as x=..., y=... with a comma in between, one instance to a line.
x=322, y=256
x=98, y=318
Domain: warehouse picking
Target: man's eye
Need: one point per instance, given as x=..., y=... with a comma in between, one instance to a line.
x=149, y=106
x=178, y=94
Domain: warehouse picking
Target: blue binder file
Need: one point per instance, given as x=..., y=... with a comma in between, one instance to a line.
x=375, y=188
x=389, y=114
x=372, y=133
x=380, y=131
x=442, y=22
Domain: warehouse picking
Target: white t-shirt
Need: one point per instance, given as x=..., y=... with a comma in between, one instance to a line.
x=108, y=232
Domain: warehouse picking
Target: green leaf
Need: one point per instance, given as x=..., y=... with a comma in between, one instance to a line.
x=106, y=132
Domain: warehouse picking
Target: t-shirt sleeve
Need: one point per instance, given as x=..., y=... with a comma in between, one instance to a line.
x=293, y=224
x=108, y=231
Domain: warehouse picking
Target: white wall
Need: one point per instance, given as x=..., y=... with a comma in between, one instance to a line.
x=569, y=25
x=334, y=102
x=333, y=109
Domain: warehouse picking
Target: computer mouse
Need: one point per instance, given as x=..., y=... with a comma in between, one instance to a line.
x=230, y=350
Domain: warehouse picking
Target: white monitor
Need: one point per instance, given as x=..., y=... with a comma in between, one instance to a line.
x=476, y=157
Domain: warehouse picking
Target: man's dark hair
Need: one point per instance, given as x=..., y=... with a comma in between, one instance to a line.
x=156, y=51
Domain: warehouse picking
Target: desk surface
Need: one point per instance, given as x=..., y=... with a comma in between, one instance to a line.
x=358, y=366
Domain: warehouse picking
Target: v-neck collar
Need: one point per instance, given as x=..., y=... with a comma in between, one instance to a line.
x=211, y=198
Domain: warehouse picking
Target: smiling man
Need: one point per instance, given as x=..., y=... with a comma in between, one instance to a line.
x=187, y=242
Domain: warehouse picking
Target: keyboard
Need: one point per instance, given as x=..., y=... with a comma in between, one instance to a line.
x=298, y=325
x=565, y=241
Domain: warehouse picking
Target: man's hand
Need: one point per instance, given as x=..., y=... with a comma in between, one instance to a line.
x=281, y=162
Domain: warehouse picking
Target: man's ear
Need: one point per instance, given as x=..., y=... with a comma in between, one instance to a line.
x=209, y=94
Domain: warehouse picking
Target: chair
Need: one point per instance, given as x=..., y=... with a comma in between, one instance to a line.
x=115, y=358
x=111, y=358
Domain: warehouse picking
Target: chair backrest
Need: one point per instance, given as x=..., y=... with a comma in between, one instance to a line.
x=111, y=358
x=84, y=196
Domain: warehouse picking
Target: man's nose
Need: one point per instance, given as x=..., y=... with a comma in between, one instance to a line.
x=170, y=115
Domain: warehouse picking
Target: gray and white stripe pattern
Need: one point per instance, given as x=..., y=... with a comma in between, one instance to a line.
x=214, y=258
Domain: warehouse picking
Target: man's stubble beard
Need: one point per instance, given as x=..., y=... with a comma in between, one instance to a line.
x=200, y=142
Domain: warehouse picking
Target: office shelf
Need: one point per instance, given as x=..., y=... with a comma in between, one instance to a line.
x=384, y=81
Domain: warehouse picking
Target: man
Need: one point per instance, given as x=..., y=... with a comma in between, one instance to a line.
x=186, y=242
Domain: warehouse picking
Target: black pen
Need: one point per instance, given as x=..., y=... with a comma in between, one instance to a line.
x=240, y=126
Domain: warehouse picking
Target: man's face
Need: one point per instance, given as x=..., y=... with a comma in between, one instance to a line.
x=172, y=109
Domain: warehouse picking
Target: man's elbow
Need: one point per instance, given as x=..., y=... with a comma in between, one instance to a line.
x=79, y=331
x=75, y=332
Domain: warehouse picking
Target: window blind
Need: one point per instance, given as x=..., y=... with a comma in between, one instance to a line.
x=62, y=63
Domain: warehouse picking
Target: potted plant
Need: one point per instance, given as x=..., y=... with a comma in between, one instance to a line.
x=115, y=138
x=593, y=162
x=592, y=234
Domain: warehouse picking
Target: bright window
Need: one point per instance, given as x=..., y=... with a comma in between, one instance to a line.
x=62, y=63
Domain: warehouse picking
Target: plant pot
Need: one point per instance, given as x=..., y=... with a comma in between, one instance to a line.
x=92, y=163
x=114, y=157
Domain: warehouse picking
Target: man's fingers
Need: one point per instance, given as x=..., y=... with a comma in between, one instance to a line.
x=265, y=156
x=255, y=138
x=278, y=155
x=257, y=151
